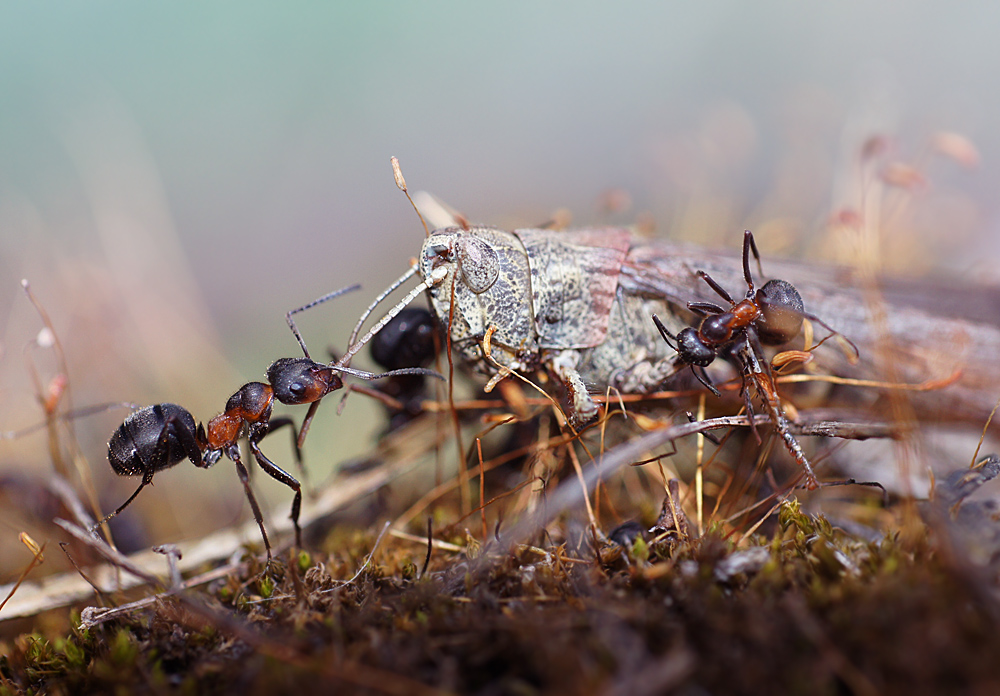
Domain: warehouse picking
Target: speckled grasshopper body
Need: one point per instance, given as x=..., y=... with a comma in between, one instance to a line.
x=569, y=303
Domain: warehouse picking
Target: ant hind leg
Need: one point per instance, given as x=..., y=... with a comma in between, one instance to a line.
x=234, y=454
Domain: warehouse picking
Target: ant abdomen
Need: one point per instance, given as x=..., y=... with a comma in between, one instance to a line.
x=782, y=312
x=406, y=341
x=134, y=448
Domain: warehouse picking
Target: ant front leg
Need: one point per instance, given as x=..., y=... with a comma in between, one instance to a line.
x=702, y=376
x=705, y=309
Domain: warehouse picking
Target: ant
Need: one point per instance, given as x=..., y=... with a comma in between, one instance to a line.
x=409, y=340
x=770, y=315
x=158, y=437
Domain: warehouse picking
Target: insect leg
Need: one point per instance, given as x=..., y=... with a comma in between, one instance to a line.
x=703, y=377
x=279, y=474
x=281, y=422
x=233, y=452
x=834, y=332
x=147, y=478
x=750, y=245
x=582, y=407
x=791, y=444
x=705, y=308
x=715, y=286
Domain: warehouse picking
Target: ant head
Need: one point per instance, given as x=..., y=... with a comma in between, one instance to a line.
x=301, y=380
x=715, y=329
x=692, y=349
x=782, y=309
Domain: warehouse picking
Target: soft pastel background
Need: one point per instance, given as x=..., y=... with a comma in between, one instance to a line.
x=175, y=177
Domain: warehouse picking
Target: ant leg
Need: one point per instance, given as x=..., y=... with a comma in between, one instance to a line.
x=750, y=245
x=705, y=308
x=707, y=435
x=281, y=423
x=146, y=480
x=279, y=474
x=187, y=439
x=715, y=286
x=306, y=422
x=833, y=331
x=748, y=403
x=233, y=453
x=855, y=482
x=703, y=377
x=664, y=333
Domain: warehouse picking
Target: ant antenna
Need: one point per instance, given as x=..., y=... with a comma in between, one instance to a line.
x=397, y=174
x=317, y=301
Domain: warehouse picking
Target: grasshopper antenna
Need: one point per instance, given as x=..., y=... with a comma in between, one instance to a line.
x=378, y=300
x=435, y=277
x=397, y=174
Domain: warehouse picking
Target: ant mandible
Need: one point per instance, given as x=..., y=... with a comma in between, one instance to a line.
x=770, y=315
x=158, y=437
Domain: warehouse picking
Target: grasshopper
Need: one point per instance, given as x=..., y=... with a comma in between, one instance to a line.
x=562, y=302
x=577, y=305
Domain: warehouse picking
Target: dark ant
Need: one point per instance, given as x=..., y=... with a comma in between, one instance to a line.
x=158, y=437
x=771, y=315
x=409, y=340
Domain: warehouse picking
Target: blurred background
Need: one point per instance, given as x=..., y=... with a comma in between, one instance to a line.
x=174, y=178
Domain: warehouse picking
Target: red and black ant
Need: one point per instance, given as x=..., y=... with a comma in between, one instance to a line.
x=158, y=437
x=771, y=315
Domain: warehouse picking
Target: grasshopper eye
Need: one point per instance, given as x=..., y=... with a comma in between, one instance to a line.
x=479, y=263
